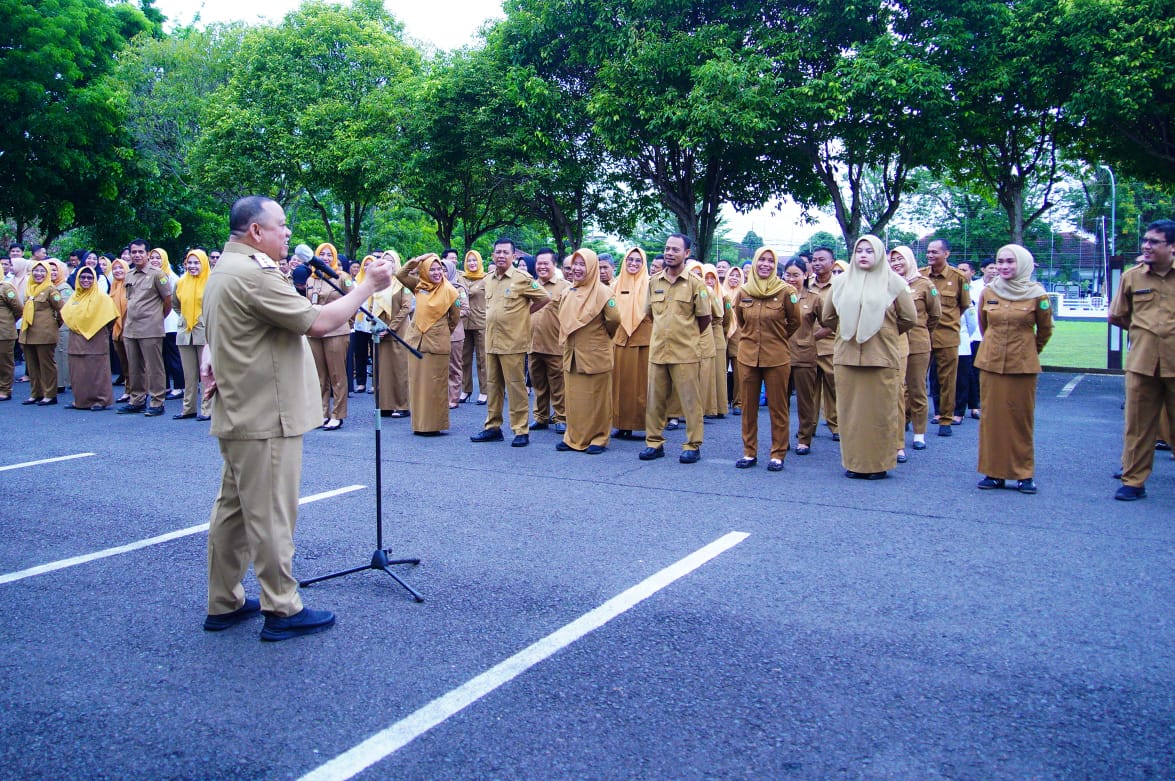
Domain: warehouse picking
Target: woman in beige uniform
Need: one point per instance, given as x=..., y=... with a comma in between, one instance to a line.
x=1016, y=322
x=768, y=313
x=474, y=346
x=722, y=317
x=457, y=338
x=88, y=314
x=803, y=356
x=587, y=319
x=438, y=312
x=914, y=404
x=118, y=271
x=330, y=351
x=734, y=280
x=189, y=338
x=630, y=377
x=869, y=307
x=11, y=309
x=393, y=307
x=38, y=334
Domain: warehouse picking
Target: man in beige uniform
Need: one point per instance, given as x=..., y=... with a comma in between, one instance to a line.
x=148, y=302
x=954, y=298
x=511, y=297
x=546, y=353
x=680, y=306
x=1145, y=305
x=11, y=310
x=260, y=375
x=825, y=338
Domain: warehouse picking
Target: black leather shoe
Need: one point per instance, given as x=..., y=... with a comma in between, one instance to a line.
x=539, y=426
x=1161, y=444
x=184, y=416
x=222, y=621
x=624, y=434
x=27, y=402
x=835, y=437
x=153, y=412
x=987, y=483
x=1026, y=486
x=944, y=431
x=775, y=465
x=746, y=462
x=560, y=428
x=595, y=450
x=651, y=453
x=563, y=447
x=129, y=409
x=673, y=424
x=47, y=402
x=919, y=445
x=689, y=456
x=304, y=622
x=488, y=435
x=173, y=395
x=865, y=475
x=522, y=440
x=1129, y=493
x=203, y=417
x=902, y=458
x=97, y=408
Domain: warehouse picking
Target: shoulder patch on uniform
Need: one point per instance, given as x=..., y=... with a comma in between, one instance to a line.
x=12, y=294
x=703, y=294
x=162, y=279
x=56, y=297
x=934, y=291
x=348, y=283
x=729, y=305
x=611, y=302
x=535, y=285
x=1044, y=303
x=794, y=298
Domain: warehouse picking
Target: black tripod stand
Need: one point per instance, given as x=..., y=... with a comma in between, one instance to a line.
x=379, y=559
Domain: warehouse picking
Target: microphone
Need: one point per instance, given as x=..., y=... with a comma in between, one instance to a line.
x=322, y=268
x=303, y=253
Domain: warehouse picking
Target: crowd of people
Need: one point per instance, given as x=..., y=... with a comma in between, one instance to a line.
x=610, y=348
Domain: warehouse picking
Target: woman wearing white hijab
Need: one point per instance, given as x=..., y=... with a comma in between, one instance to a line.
x=869, y=308
x=1016, y=322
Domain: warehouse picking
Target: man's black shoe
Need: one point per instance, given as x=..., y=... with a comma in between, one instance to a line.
x=522, y=440
x=47, y=402
x=944, y=431
x=224, y=621
x=539, y=426
x=689, y=456
x=153, y=412
x=1129, y=493
x=488, y=435
x=128, y=409
x=184, y=416
x=651, y=453
x=746, y=462
x=305, y=622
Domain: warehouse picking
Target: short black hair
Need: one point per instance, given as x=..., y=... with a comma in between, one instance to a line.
x=799, y=262
x=1165, y=227
x=447, y=251
x=946, y=244
x=245, y=212
x=36, y=247
x=685, y=239
x=138, y=243
x=547, y=251
x=16, y=245
x=824, y=248
x=505, y=240
x=987, y=262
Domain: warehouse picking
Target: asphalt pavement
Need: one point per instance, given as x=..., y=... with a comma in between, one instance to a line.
x=908, y=628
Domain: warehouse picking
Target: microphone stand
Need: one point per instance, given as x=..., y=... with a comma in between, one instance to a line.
x=380, y=558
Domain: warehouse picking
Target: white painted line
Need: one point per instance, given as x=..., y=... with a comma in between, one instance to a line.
x=1069, y=386
x=387, y=741
x=73, y=561
x=44, y=461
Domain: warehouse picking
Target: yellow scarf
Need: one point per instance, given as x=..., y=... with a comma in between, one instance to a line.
x=89, y=310
x=437, y=299
x=118, y=293
x=586, y=298
x=632, y=305
x=33, y=290
x=165, y=262
x=478, y=270
x=190, y=290
x=334, y=254
x=381, y=302
x=757, y=287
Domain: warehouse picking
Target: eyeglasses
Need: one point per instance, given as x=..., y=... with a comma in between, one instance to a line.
x=1149, y=242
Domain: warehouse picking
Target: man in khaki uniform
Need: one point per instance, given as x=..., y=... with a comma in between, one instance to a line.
x=1145, y=305
x=511, y=298
x=260, y=375
x=11, y=310
x=546, y=353
x=148, y=301
x=954, y=298
x=680, y=306
x=825, y=338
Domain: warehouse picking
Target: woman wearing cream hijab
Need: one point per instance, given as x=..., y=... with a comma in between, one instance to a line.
x=438, y=312
x=473, y=351
x=722, y=316
x=189, y=337
x=730, y=286
x=630, y=345
x=913, y=404
x=393, y=308
x=88, y=314
x=869, y=308
x=587, y=319
x=1016, y=322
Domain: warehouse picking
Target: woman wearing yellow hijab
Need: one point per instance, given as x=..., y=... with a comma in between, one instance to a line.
x=767, y=313
x=630, y=378
x=89, y=314
x=38, y=334
x=59, y=273
x=588, y=317
x=330, y=351
x=474, y=321
x=869, y=308
x=118, y=273
x=189, y=338
x=393, y=307
x=438, y=312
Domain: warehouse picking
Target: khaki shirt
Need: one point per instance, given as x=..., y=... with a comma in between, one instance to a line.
x=589, y=349
x=266, y=383
x=46, y=325
x=884, y=347
x=803, y=346
x=765, y=327
x=11, y=310
x=929, y=311
x=1014, y=333
x=320, y=294
x=1147, y=301
x=508, y=300
x=954, y=296
x=544, y=324
x=676, y=307
x=475, y=318
x=437, y=340
x=826, y=345
x=148, y=297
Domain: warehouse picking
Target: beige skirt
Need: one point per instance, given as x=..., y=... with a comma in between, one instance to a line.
x=867, y=415
x=630, y=387
x=589, y=409
x=428, y=392
x=1006, y=427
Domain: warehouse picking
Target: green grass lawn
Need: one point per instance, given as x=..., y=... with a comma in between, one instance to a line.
x=1076, y=344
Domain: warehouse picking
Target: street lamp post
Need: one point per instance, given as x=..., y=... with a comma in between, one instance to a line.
x=1113, y=209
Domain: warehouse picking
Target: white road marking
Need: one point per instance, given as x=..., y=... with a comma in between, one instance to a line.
x=1069, y=386
x=44, y=461
x=73, y=561
x=387, y=741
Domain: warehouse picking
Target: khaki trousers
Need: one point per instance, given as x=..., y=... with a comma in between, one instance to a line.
x=775, y=378
x=546, y=377
x=253, y=519
x=41, y=367
x=1145, y=398
x=946, y=366
x=145, y=375
x=456, y=349
x=665, y=381
x=330, y=359
x=61, y=355
x=7, y=366
x=916, y=404
x=474, y=346
x=826, y=389
x=506, y=376
x=190, y=358
x=807, y=401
